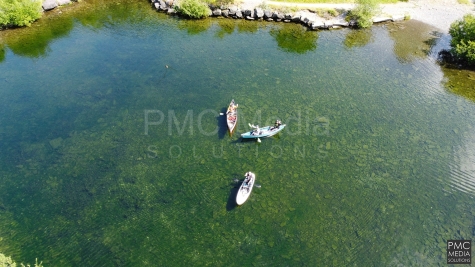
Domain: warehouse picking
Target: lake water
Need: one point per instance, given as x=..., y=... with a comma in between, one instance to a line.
x=113, y=152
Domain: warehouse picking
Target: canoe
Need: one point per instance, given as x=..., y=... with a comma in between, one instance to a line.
x=232, y=116
x=263, y=132
x=245, y=189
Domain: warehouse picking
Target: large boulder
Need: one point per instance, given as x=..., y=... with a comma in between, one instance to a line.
x=238, y=14
x=217, y=12
x=63, y=2
x=381, y=19
x=232, y=11
x=169, y=3
x=277, y=16
x=259, y=12
x=296, y=18
x=49, y=4
x=225, y=13
x=163, y=5
x=340, y=23
x=246, y=12
x=267, y=14
x=317, y=24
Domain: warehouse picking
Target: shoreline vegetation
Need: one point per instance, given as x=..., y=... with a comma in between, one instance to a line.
x=316, y=14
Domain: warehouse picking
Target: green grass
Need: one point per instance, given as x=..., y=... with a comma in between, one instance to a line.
x=464, y=2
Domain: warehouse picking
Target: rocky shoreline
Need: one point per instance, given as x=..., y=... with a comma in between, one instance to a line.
x=306, y=17
x=438, y=13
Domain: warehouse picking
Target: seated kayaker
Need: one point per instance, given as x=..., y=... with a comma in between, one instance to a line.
x=257, y=131
x=277, y=124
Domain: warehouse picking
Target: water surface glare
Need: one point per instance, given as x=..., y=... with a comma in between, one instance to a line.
x=114, y=152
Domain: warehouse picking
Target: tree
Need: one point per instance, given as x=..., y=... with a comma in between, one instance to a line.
x=463, y=39
x=363, y=12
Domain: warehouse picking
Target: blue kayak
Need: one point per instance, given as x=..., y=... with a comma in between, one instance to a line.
x=263, y=132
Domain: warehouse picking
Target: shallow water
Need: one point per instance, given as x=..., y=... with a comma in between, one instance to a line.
x=114, y=152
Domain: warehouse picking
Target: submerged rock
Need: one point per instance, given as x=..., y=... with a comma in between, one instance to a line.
x=55, y=143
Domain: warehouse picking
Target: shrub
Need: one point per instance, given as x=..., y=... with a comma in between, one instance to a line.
x=19, y=12
x=8, y=262
x=364, y=12
x=463, y=39
x=193, y=8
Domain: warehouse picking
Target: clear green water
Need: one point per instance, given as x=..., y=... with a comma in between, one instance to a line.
x=375, y=167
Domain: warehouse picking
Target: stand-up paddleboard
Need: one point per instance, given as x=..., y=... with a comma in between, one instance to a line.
x=246, y=188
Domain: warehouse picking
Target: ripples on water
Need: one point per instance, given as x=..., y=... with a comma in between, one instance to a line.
x=376, y=166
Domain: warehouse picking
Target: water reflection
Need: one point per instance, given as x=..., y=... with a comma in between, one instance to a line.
x=226, y=27
x=358, y=38
x=2, y=52
x=34, y=41
x=295, y=38
x=247, y=26
x=193, y=27
x=412, y=39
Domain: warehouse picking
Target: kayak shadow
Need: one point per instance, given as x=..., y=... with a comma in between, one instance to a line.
x=222, y=124
x=231, y=204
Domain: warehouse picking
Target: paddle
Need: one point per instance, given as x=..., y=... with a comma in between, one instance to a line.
x=237, y=181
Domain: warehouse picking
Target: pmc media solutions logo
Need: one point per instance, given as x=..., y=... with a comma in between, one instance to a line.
x=459, y=251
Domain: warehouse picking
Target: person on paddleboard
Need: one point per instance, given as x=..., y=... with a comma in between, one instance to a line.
x=248, y=178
